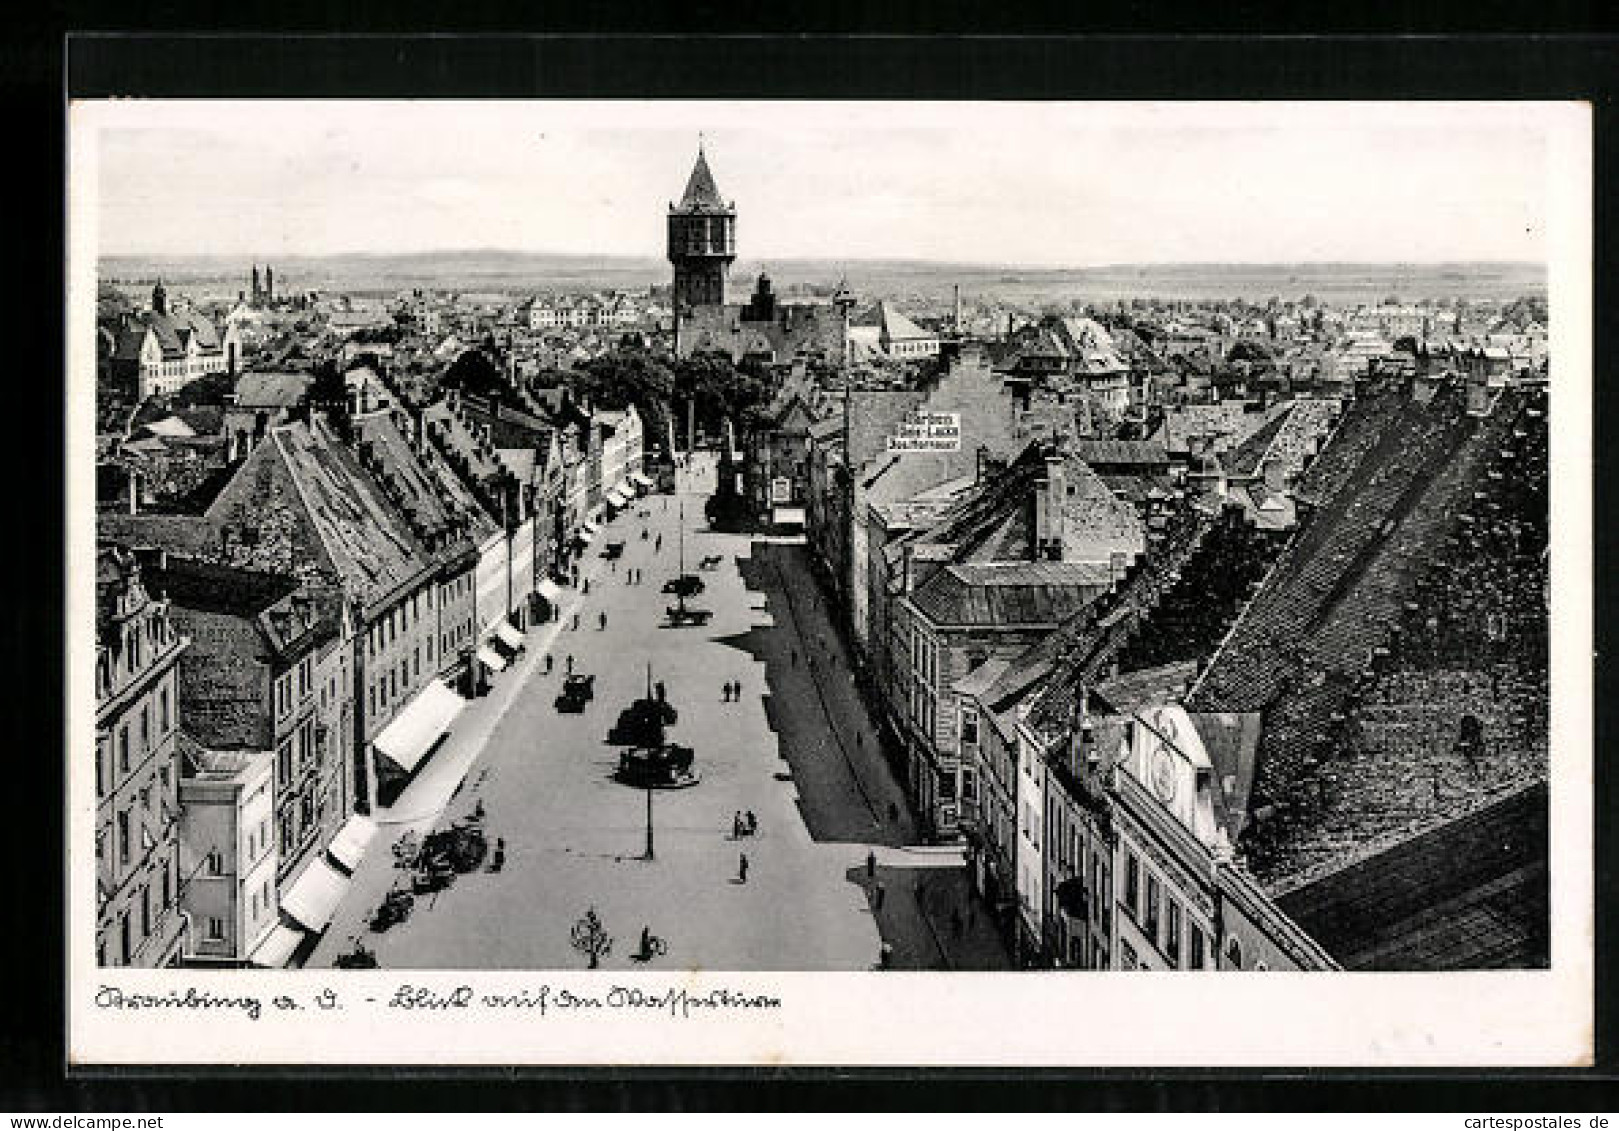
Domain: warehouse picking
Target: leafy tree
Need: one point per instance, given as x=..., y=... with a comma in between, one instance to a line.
x=591, y=939
x=627, y=377
x=474, y=372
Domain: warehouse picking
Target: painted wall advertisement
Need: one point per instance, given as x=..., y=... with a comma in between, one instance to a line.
x=927, y=432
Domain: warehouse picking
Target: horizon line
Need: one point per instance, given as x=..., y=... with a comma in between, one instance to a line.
x=252, y=259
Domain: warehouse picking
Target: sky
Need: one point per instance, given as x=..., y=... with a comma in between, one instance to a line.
x=1037, y=184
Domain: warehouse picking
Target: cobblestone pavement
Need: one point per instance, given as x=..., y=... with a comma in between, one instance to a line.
x=797, y=751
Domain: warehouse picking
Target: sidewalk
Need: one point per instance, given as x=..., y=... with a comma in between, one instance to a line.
x=421, y=806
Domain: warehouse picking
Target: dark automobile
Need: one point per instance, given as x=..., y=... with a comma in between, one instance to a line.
x=680, y=616
x=577, y=691
x=686, y=585
x=613, y=550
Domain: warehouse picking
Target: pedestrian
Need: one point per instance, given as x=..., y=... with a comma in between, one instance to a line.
x=602, y=621
x=882, y=894
x=753, y=823
x=871, y=864
x=570, y=654
x=725, y=693
x=575, y=626
x=736, y=826
x=657, y=546
x=584, y=587
x=614, y=564
x=742, y=867
x=548, y=661
x=646, y=941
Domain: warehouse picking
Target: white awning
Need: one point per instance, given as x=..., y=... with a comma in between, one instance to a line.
x=788, y=516
x=619, y=497
x=549, y=589
x=590, y=529
x=637, y=477
x=508, y=632
x=418, y=726
x=351, y=841
x=494, y=659
x=585, y=537
x=278, y=947
x=312, y=900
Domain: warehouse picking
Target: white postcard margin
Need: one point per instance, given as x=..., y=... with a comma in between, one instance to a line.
x=1015, y=1019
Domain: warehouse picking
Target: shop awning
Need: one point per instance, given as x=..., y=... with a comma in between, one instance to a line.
x=492, y=658
x=585, y=537
x=351, y=841
x=508, y=632
x=278, y=947
x=788, y=516
x=412, y=733
x=549, y=589
x=312, y=900
x=619, y=497
x=590, y=529
x=637, y=477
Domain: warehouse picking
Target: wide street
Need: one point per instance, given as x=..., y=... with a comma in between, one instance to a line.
x=797, y=750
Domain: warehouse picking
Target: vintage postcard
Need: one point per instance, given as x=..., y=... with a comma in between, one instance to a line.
x=830, y=583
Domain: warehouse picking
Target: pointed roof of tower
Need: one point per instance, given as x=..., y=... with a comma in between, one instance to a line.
x=701, y=194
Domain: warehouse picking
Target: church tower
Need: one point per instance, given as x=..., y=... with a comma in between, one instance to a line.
x=702, y=240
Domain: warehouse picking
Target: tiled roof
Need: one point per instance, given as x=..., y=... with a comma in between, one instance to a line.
x=272, y=390
x=367, y=542
x=701, y=194
x=1148, y=452
x=976, y=595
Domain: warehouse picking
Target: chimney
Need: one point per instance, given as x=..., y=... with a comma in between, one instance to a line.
x=1048, y=512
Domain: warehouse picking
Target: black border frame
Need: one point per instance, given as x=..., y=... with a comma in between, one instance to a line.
x=680, y=64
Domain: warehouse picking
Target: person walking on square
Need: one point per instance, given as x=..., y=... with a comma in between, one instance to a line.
x=570, y=663
x=657, y=546
x=548, y=662
x=584, y=587
x=736, y=826
x=742, y=867
x=871, y=864
x=601, y=624
x=575, y=626
x=882, y=894
x=752, y=823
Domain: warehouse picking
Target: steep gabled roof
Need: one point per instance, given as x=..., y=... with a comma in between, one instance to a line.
x=701, y=194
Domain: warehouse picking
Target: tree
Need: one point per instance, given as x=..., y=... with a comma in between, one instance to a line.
x=591, y=939
x=473, y=372
x=628, y=377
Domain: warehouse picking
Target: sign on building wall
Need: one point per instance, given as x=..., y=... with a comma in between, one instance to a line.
x=927, y=432
x=781, y=490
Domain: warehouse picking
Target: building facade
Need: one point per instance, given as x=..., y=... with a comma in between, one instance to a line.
x=139, y=919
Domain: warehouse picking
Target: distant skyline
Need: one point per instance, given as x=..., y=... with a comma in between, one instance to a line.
x=1024, y=184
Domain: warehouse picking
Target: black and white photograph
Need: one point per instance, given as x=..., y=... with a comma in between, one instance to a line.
x=798, y=553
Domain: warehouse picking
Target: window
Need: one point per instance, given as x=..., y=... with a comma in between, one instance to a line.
x=101, y=770
x=283, y=759
x=969, y=786
x=1151, y=923
x=1132, y=884
x=146, y=910
x=163, y=709
x=123, y=931
x=1172, y=941
x=1233, y=955
x=1196, y=959
x=1127, y=957
x=216, y=862
x=123, y=749
x=372, y=698
x=123, y=836
x=216, y=929
x=969, y=727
